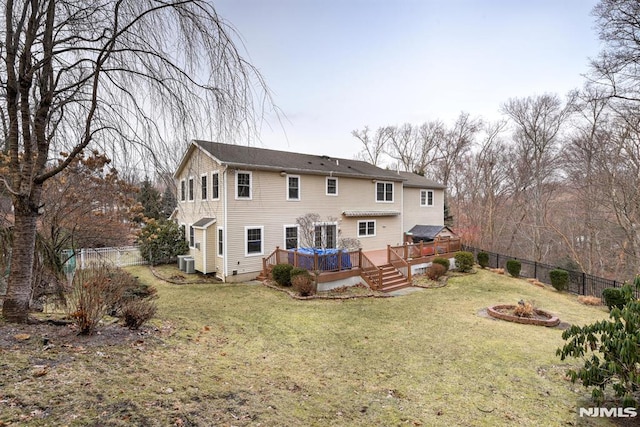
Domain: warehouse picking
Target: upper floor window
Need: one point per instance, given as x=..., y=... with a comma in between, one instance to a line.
x=215, y=185
x=183, y=190
x=243, y=185
x=293, y=187
x=332, y=186
x=384, y=191
x=190, y=193
x=426, y=197
x=203, y=186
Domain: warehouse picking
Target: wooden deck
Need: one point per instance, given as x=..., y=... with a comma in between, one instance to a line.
x=382, y=269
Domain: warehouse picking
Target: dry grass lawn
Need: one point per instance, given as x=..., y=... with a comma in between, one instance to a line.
x=246, y=355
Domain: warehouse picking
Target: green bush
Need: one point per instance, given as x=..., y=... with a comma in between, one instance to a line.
x=282, y=274
x=513, y=267
x=610, y=351
x=464, y=261
x=614, y=297
x=483, y=259
x=443, y=262
x=559, y=279
x=162, y=241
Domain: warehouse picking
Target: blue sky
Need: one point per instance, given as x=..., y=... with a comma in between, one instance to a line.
x=335, y=66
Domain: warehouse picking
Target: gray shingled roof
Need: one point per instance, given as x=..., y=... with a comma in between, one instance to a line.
x=241, y=156
x=417, y=181
x=426, y=232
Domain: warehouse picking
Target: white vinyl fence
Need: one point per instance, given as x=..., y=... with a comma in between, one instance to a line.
x=86, y=257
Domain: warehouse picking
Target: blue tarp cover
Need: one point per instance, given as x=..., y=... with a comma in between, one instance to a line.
x=327, y=259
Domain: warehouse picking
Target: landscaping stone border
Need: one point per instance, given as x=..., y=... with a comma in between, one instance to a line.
x=550, y=321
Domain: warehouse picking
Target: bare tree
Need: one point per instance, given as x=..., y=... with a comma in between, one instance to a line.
x=123, y=72
x=373, y=148
x=538, y=122
x=618, y=65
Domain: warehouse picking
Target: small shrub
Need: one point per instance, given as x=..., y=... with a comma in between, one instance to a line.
x=303, y=284
x=443, y=262
x=513, y=267
x=93, y=293
x=282, y=274
x=614, y=297
x=464, y=261
x=137, y=312
x=483, y=259
x=589, y=300
x=435, y=271
x=559, y=279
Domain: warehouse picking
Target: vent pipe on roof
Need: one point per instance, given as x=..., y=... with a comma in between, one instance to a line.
x=337, y=162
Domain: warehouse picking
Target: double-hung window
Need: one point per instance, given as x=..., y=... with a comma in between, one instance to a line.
x=254, y=241
x=332, y=186
x=384, y=191
x=220, y=241
x=203, y=187
x=192, y=236
x=290, y=236
x=215, y=185
x=293, y=187
x=426, y=197
x=243, y=185
x=183, y=191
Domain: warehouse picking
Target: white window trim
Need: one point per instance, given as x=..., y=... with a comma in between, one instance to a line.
x=326, y=186
x=284, y=234
x=206, y=177
x=250, y=185
x=219, y=186
x=218, y=230
x=183, y=194
x=299, y=188
x=191, y=189
x=426, y=198
x=367, y=221
x=393, y=191
x=246, y=238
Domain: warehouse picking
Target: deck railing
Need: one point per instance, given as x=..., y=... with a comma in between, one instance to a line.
x=410, y=251
x=371, y=273
x=398, y=261
x=341, y=260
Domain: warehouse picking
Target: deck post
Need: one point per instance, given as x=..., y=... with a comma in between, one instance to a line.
x=277, y=254
x=406, y=250
x=264, y=266
x=339, y=259
x=421, y=247
x=388, y=254
x=315, y=261
x=359, y=257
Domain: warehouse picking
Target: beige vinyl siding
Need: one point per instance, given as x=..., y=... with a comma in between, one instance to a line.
x=191, y=211
x=414, y=213
x=270, y=209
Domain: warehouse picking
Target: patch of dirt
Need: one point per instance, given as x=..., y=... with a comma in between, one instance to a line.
x=48, y=333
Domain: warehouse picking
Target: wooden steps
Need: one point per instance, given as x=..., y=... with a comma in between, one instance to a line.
x=392, y=279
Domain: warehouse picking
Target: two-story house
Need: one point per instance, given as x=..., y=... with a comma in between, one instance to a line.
x=238, y=203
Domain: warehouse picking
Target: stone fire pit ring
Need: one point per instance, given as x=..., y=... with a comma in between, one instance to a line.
x=542, y=317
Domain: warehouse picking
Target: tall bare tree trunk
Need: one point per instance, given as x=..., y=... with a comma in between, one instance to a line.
x=16, y=302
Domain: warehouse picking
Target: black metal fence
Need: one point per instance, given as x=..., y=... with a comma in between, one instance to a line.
x=579, y=283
